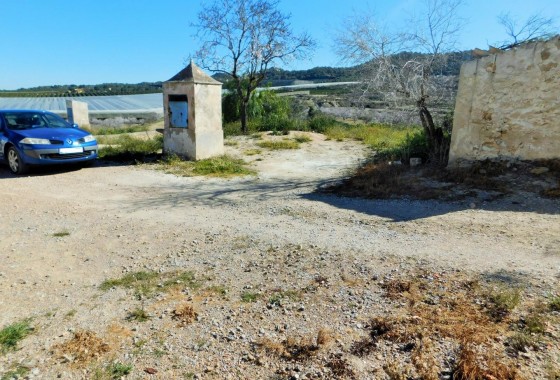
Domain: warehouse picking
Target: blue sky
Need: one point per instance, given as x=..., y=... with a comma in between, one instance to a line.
x=47, y=42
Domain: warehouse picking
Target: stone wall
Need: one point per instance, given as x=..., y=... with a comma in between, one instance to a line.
x=508, y=105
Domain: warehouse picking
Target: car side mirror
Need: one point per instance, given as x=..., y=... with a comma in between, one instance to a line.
x=75, y=125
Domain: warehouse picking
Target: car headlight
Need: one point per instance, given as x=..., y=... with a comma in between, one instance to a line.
x=34, y=141
x=89, y=138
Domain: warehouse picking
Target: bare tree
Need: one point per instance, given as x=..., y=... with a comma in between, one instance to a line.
x=535, y=27
x=398, y=76
x=243, y=38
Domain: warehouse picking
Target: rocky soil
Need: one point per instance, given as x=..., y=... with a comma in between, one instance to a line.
x=128, y=271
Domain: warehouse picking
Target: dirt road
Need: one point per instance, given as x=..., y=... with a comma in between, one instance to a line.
x=64, y=232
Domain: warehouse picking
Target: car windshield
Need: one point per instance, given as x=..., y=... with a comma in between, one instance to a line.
x=28, y=120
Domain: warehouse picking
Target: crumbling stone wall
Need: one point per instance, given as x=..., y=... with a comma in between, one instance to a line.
x=508, y=105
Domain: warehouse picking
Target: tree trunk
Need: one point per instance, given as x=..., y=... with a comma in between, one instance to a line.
x=437, y=147
x=426, y=119
x=243, y=114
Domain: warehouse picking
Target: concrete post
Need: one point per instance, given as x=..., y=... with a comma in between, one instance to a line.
x=77, y=112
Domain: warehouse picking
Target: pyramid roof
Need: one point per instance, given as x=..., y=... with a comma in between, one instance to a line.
x=194, y=74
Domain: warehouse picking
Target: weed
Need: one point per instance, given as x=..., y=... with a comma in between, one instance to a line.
x=502, y=301
x=70, y=314
x=389, y=141
x=222, y=166
x=128, y=148
x=252, y=152
x=278, y=295
x=139, y=315
x=116, y=130
x=302, y=138
x=231, y=143
x=554, y=303
x=249, y=296
x=535, y=323
x=521, y=340
x=118, y=370
x=552, y=371
x=278, y=144
x=217, y=289
x=129, y=280
x=62, y=233
x=158, y=352
x=12, y=334
x=146, y=283
x=16, y=372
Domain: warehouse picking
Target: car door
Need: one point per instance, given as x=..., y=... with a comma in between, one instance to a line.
x=3, y=137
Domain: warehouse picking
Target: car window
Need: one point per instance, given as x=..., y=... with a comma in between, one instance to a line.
x=27, y=120
x=55, y=121
x=18, y=120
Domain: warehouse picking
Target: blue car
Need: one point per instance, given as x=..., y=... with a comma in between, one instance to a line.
x=30, y=138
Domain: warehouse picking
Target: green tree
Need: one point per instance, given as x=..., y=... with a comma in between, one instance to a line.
x=243, y=38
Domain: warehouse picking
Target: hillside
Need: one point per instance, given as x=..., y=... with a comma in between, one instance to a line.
x=274, y=76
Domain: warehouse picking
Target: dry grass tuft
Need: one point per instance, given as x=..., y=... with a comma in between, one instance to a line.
x=185, y=314
x=340, y=367
x=273, y=348
x=396, y=288
x=324, y=337
x=425, y=361
x=449, y=308
x=298, y=348
x=83, y=347
x=474, y=364
x=398, y=371
x=381, y=180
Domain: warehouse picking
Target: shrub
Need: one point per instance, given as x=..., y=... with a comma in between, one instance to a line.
x=320, y=122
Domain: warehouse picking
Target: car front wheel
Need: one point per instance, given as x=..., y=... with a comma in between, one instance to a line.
x=17, y=166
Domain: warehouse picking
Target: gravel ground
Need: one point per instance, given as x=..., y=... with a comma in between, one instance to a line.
x=257, y=277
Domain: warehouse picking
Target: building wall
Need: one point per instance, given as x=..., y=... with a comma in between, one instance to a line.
x=508, y=105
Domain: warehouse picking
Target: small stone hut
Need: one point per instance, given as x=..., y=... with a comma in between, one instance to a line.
x=192, y=107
